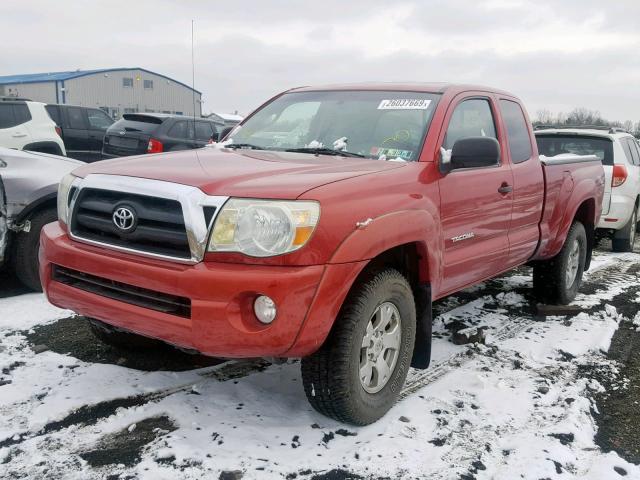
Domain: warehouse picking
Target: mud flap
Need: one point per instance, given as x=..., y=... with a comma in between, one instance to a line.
x=4, y=227
x=424, y=320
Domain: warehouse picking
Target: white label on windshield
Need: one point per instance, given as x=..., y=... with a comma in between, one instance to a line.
x=405, y=104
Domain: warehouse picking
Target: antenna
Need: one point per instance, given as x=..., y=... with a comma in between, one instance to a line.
x=193, y=83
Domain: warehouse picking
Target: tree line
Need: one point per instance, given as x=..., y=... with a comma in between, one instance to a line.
x=583, y=116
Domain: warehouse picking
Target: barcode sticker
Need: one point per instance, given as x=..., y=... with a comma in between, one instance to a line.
x=405, y=104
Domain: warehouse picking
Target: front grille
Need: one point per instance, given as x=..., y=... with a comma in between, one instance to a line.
x=159, y=222
x=141, y=297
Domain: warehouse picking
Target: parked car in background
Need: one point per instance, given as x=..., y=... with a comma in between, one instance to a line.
x=28, y=193
x=82, y=130
x=620, y=155
x=26, y=125
x=137, y=133
x=323, y=230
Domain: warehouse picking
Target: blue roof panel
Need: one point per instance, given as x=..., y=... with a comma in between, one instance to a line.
x=62, y=76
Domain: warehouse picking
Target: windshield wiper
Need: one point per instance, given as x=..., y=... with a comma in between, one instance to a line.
x=324, y=151
x=249, y=146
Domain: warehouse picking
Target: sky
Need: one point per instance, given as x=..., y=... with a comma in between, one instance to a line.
x=555, y=55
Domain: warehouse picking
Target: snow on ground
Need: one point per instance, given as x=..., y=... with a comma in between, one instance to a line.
x=517, y=407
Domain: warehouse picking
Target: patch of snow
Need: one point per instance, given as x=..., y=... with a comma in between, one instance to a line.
x=341, y=144
x=314, y=144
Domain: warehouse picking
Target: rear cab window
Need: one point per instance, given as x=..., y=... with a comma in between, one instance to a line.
x=517, y=131
x=553, y=144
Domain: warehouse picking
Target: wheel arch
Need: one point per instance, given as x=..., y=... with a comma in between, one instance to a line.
x=44, y=147
x=46, y=201
x=586, y=214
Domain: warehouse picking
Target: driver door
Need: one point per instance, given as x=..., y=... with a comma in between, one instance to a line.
x=475, y=202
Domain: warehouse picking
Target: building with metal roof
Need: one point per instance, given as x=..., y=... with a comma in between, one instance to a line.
x=115, y=90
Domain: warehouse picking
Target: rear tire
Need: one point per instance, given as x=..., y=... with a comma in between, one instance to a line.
x=378, y=312
x=119, y=338
x=25, y=261
x=557, y=280
x=624, y=238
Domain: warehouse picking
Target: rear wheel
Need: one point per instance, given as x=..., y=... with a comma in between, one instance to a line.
x=358, y=373
x=25, y=261
x=557, y=280
x=120, y=338
x=624, y=238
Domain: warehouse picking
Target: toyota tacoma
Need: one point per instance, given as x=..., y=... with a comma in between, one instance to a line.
x=322, y=228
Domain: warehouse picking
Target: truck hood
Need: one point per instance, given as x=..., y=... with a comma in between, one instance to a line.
x=245, y=173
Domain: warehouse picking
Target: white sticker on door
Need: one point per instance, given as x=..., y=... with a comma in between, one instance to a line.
x=404, y=104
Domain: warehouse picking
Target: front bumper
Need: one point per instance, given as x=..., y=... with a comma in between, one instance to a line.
x=619, y=214
x=221, y=321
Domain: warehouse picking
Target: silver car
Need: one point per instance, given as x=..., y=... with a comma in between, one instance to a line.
x=28, y=192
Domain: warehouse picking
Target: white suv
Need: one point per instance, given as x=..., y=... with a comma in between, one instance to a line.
x=26, y=125
x=620, y=155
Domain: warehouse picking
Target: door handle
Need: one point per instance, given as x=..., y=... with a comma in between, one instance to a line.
x=505, y=188
x=19, y=135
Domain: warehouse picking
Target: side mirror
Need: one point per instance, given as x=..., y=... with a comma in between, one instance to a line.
x=474, y=152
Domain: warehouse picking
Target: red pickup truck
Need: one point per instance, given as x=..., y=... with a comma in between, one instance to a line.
x=322, y=228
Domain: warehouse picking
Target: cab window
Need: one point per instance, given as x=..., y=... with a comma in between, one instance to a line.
x=517, y=131
x=471, y=118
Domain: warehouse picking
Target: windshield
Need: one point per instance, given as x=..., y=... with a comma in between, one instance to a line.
x=554, y=144
x=372, y=124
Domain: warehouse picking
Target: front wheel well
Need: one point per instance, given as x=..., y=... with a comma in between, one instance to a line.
x=410, y=260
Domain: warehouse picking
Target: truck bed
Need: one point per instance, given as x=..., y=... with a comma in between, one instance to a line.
x=567, y=178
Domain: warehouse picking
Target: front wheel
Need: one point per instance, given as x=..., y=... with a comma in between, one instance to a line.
x=358, y=373
x=25, y=262
x=557, y=280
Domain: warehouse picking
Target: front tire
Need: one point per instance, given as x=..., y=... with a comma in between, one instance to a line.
x=358, y=373
x=557, y=280
x=25, y=262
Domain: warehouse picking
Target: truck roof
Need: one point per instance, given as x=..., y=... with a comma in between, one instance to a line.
x=433, y=87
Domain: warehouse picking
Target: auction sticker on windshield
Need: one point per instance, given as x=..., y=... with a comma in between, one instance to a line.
x=391, y=153
x=405, y=104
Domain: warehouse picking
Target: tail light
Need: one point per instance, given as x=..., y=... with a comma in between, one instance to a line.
x=155, y=146
x=619, y=175
x=59, y=131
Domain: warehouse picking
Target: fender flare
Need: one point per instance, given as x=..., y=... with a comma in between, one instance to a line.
x=38, y=146
x=582, y=192
x=391, y=230
x=35, y=205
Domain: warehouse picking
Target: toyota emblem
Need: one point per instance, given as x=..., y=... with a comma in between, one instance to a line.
x=124, y=218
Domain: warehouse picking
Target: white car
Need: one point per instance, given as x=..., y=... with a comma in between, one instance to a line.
x=26, y=125
x=620, y=155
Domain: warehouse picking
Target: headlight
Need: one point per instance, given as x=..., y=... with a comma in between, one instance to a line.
x=64, y=187
x=263, y=228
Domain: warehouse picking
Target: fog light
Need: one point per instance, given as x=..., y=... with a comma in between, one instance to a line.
x=265, y=309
